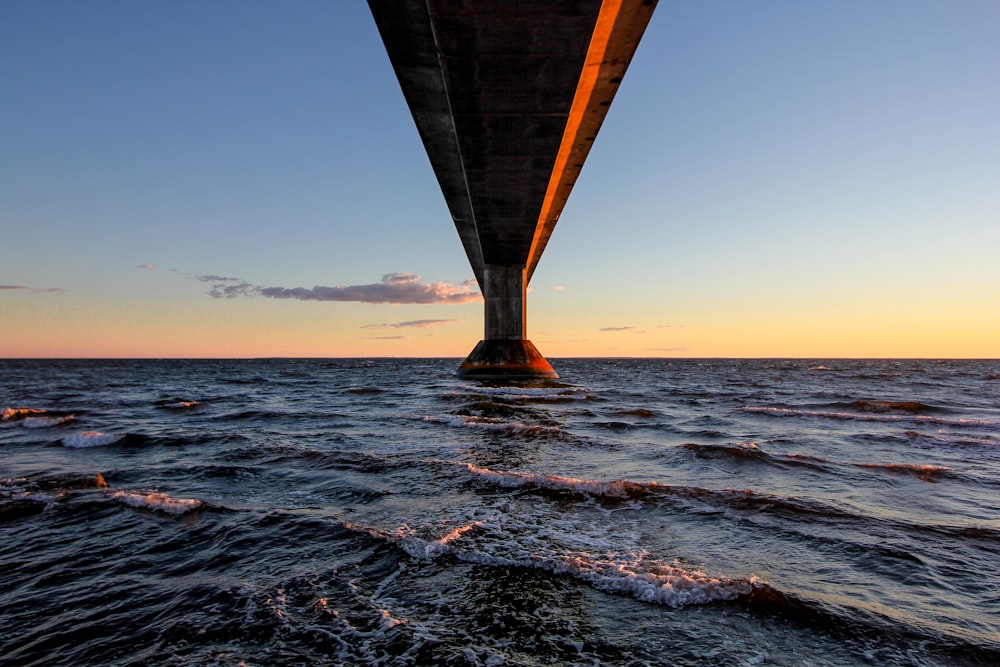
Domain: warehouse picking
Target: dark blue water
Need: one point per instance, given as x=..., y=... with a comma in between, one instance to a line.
x=660, y=512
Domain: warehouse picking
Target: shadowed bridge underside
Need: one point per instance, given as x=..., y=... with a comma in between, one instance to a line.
x=508, y=98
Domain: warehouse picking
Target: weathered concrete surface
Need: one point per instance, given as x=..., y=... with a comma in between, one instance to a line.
x=506, y=360
x=508, y=97
x=504, y=291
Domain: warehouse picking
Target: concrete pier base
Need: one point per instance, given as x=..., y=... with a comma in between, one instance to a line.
x=504, y=353
x=506, y=360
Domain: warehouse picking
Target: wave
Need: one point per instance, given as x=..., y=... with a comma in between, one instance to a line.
x=57, y=482
x=911, y=407
x=750, y=451
x=940, y=437
x=866, y=416
x=924, y=472
x=157, y=502
x=492, y=424
x=745, y=499
x=347, y=460
x=625, y=489
x=179, y=404
x=99, y=439
x=514, y=394
x=745, y=451
x=91, y=439
x=12, y=414
x=635, y=412
x=635, y=574
x=621, y=488
x=46, y=422
x=25, y=497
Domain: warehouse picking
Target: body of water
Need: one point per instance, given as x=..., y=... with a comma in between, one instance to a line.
x=636, y=512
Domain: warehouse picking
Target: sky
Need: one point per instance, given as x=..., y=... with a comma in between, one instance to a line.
x=242, y=178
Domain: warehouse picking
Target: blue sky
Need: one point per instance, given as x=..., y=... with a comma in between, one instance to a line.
x=774, y=179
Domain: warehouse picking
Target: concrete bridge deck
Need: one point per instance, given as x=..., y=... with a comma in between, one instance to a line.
x=508, y=97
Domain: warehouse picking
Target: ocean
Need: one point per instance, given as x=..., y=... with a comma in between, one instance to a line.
x=385, y=512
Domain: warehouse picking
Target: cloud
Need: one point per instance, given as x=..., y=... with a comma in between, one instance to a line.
x=148, y=267
x=217, y=279
x=632, y=329
x=417, y=324
x=558, y=288
x=25, y=288
x=395, y=288
x=223, y=291
x=387, y=338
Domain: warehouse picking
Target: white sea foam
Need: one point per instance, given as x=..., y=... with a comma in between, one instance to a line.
x=90, y=439
x=408, y=540
x=46, y=422
x=619, y=488
x=159, y=502
x=669, y=585
x=631, y=572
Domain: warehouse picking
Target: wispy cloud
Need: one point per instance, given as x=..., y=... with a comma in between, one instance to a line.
x=416, y=324
x=616, y=329
x=40, y=290
x=387, y=338
x=229, y=288
x=558, y=288
x=395, y=288
x=148, y=267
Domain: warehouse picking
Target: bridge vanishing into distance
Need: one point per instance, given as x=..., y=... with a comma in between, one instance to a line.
x=508, y=97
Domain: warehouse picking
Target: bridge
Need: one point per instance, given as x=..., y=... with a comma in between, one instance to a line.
x=508, y=97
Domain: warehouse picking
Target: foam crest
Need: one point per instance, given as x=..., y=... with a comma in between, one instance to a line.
x=742, y=499
x=666, y=584
x=158, y=502
x=631, y=573
x=867, y=416
x=46, y=422
x=10, y=414
x=91, y=439
x=409, y=540
x=619, y=488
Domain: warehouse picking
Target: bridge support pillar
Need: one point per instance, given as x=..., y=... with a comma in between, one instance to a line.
x=505, y=353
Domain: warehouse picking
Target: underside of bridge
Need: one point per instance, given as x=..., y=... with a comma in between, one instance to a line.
x=508, y=97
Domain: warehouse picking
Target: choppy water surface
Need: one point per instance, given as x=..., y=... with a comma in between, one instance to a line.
x=662, y=512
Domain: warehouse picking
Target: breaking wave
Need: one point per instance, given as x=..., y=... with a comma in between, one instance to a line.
x=157, y=502
x=46, y=422
x=635, y=574
x=11, y=414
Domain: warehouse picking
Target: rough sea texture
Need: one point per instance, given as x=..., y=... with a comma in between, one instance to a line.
x=636, y=512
